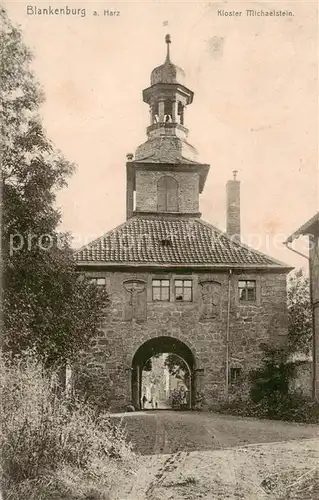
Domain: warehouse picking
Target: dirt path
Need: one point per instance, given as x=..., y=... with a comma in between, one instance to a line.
x=192, y=456
x=169, y=432
x=273, y=471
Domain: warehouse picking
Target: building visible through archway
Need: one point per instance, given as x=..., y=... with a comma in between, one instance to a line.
x=160, y=345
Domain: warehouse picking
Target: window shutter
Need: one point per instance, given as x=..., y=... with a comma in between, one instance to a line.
x=172, y=195
x=161, y=195
x=167, y=194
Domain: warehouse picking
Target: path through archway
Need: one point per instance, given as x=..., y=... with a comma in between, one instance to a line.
x=161, y=345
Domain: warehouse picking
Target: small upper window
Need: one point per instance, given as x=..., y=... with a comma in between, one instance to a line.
x=160, y=290
x=98, y=281
x=247, y=291
x=235, y=375
x=184, y=290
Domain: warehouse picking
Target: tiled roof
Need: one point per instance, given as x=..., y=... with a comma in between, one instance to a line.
x=166, y=149
x=168, y=241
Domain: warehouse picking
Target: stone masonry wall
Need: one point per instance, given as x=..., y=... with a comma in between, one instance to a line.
x=146, y=190
x=266, y=320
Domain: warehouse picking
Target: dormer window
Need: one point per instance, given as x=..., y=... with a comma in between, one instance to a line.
x=166, y=242
x=167, y=194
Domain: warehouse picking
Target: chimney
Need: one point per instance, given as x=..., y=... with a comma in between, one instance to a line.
x=233, y=208
x=129, y=187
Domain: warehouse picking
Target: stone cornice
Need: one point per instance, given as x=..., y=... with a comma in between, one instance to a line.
x=168, y=215
x=144, y=267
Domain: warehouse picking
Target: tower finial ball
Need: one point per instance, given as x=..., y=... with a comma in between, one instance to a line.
x=168, y=39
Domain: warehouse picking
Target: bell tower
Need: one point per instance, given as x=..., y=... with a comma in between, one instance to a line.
x=164, y=173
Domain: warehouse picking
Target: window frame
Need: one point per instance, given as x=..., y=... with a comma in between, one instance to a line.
x=248, y=277
x=160, y=287
x=183, y=287
x=246, y=289
x=95, y=279
x=235, y=375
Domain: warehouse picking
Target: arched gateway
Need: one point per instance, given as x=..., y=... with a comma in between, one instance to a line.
x=160, y=345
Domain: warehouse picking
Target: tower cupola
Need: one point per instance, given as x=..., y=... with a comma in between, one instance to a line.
x=167, y=72
x=167, y=98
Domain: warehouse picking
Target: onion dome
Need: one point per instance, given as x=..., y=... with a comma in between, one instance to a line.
x=167, y=72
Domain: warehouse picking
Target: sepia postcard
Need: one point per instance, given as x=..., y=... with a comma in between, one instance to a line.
x=160, y=250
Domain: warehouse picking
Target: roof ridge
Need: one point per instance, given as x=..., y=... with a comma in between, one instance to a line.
x=243, y=245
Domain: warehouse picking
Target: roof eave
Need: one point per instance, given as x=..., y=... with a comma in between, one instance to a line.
x=310, y=227
x=257, y=267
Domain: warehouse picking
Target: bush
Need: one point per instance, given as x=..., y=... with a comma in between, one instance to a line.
x=289, y=407
x=273, y=376
x=269, y=392
x=52, y=449
x=92, y=386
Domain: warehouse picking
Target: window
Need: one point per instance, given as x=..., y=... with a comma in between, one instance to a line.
x=247, y=291
x=166, y=242
x=160, y=290
x=180, y=111
x=98, y=281
x=167, y=194
x=184, y=290
x=235, y=374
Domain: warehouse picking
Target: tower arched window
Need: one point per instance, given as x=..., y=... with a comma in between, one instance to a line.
x=167, y=194
x=180, y=112
x=168, y=111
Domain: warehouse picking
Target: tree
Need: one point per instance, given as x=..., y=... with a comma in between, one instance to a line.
x=271, y=380
x=46, y=306
x=299, y=313
x=177, y=367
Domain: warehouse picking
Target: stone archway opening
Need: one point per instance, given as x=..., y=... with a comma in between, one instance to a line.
x=153, y=349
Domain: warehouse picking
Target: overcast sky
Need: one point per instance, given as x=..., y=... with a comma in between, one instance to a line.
x=255, y=107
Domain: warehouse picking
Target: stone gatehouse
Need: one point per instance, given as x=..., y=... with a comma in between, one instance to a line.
x=178, y=284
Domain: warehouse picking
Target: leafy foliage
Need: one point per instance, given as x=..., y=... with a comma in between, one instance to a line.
x=148, y=365
x=272, y=379
x=291, y=407
x=299, y=313
x=92, y=384
x=32, y=168
x=45, y=305
x=52, y=447
x=270, y=395
x=177, y=367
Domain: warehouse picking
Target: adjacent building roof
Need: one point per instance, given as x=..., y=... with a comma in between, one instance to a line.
x=309, y=227
x=171, y=242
